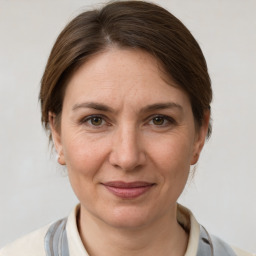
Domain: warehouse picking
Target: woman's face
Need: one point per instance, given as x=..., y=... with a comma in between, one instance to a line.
x=127, y=137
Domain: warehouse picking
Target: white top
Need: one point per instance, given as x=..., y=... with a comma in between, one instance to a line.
x=33, y=244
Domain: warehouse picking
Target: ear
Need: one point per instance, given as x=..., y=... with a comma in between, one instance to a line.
x=200, y=137
x=56, y=138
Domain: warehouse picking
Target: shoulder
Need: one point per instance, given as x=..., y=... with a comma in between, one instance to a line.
x=221, y=248
x=201, y=242
x=29, y=245
x=34, y=243
x=240, y=252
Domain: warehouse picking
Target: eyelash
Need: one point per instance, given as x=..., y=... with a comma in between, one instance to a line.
x=166, y=119
x=88, y=121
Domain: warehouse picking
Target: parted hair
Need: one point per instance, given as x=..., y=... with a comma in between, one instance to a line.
x=127, y=24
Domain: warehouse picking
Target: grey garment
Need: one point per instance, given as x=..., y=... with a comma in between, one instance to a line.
x=56, y=242
x=210, y=245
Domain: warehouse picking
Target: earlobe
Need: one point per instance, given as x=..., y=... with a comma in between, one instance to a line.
x=200, y=138
x=56, y=138
x=194, y=159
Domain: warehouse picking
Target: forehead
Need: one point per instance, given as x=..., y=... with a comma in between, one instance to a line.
x=122, y=74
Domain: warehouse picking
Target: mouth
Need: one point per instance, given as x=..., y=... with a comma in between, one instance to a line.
x=128, y=190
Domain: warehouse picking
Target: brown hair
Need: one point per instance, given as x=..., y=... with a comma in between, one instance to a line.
x=130, y=24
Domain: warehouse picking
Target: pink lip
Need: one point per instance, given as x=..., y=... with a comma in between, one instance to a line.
x=128, y=190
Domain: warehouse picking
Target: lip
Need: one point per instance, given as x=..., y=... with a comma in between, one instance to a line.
x=128, y=190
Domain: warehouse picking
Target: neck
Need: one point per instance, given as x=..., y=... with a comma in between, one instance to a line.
x=161, y=237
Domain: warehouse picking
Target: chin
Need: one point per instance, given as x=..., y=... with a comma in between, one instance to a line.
x=128, y=217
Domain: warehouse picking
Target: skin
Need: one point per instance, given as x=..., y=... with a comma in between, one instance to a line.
x=131, y=139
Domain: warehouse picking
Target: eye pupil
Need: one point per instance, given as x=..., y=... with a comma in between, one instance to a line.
x=158, y=120
x=96, y=121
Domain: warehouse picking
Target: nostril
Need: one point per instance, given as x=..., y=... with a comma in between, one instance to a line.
x=127, y=161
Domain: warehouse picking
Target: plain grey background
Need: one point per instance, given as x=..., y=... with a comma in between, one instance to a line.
x=35, y=191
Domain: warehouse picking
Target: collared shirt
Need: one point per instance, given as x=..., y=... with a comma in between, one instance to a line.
x=33, y=244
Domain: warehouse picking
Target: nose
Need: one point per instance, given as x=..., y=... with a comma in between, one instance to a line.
x=127, y=150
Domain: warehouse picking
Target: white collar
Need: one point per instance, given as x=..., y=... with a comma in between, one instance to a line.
x=184, y=216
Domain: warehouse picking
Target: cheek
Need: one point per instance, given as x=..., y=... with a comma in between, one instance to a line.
x=84, y=160
x=84, y=156
x=172, y=156
x=174, y=150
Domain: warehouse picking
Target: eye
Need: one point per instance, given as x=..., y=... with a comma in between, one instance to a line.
x=94, y=121
x=162, y=121
x=158, y=120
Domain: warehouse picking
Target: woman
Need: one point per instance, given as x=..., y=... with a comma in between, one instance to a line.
x=126, y=98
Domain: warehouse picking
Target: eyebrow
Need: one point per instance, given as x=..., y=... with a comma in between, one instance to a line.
x=159, y=106
x=148, y=108
x=93, y=105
